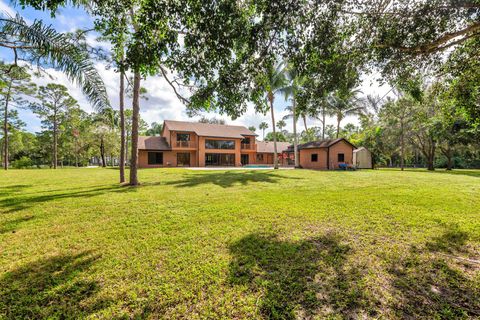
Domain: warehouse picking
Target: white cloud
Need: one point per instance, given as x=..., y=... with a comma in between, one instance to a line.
x=6, y=9
x=162, y=103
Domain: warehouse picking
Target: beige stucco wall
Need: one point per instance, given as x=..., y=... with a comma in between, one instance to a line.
x=362, y=159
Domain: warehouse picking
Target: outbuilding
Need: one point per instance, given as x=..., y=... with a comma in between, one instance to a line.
x=325, y=154
x=362, y=158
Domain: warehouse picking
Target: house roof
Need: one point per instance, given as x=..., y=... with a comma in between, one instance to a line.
x=267, y=146
x=209, y=130
x=320, y=144
x=152, y=143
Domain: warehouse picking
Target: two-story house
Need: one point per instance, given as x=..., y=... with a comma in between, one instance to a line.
x=193, y=144
x=198, y=145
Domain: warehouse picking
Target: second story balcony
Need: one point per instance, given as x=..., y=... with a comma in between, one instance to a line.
x=185, y=144
x=248, y=146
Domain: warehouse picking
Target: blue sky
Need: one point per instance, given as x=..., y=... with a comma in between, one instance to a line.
x=162, y=103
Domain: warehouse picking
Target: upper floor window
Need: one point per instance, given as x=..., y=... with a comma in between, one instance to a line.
x=219, y=144
x=341, y=157
x=183, y=137
x=246, y=140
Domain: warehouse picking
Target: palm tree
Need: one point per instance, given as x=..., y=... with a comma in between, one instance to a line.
x=263, y=126
x=294, y=114
x=275, y=80
x=41, y=44
x=291, y=91
x=343, y=103
x=281, y=124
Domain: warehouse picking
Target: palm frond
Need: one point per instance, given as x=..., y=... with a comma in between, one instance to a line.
x=45, y=45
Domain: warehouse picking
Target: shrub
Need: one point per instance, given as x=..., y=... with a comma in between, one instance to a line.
x=22, y=163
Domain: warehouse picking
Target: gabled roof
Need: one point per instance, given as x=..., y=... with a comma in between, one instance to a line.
x=267, y=146
x=152, y=143
x=209, y=130
x=320, y=144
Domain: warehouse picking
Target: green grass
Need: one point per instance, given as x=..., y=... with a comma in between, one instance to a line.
x=240, y=244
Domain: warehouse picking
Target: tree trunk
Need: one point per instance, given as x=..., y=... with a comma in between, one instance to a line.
x=135, y=113
x=430, y=156
x=76, y=151
x=102, y=153
x=275, y=154
x=295, y=141
x=338, y=126
x=448, y=153
x=430, y=166
x=5, y=129
x=449, y=163
x=416, y=158
x=402, y=147
x=122, y=126
x=323, y=123
x=55, y=139
x=305, y=123
x=127, y=138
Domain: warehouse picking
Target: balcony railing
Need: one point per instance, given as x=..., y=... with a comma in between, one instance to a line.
x=248, y=146
x=185, y=144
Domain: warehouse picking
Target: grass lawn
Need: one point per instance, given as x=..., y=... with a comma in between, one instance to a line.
x=240, y=244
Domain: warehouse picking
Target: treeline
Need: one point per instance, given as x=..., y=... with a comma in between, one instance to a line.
x=419, y=125
x=69, y=137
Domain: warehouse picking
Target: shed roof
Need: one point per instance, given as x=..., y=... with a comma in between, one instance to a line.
x=361, y=149
x=209, y=130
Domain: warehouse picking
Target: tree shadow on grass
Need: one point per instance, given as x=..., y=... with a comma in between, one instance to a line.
x=25, y=201
x=11, y=226
x=462, y=172
x=13, y=189
x=300, y=279
x=452, y=240
x=50, y=288
x=227, y=179
x=457, y=172
x=434, y=285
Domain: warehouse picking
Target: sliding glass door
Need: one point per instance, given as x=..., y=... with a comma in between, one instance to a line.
x=219, y=159
x=183, y=159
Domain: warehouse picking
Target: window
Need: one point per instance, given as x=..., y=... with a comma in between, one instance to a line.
x=155, y=158
x=259, y=157
x=314, y=157
x=183, y=137
x=341, y=157
x=219, y=159
x=219, y=144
